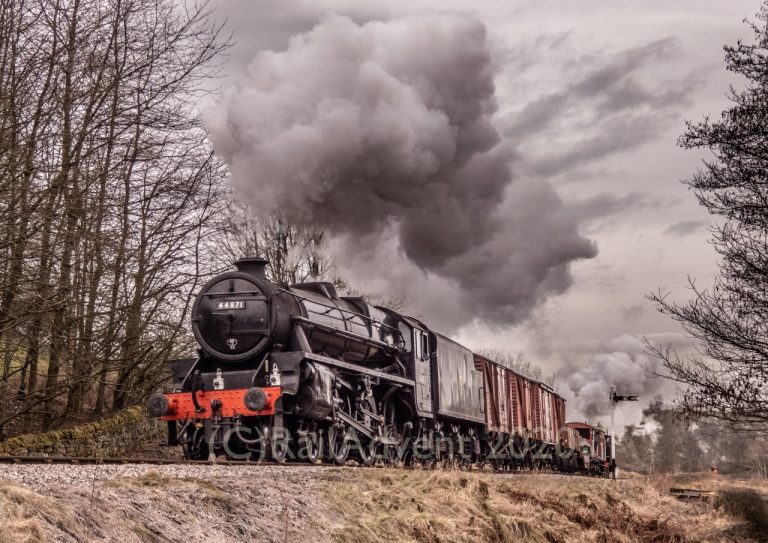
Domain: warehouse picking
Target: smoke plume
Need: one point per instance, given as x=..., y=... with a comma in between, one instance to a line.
x=383, y=135
x=622, y=365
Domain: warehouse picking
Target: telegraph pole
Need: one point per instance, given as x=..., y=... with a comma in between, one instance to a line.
x=616, y=398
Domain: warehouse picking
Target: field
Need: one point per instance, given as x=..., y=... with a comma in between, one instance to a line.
x=272, y=503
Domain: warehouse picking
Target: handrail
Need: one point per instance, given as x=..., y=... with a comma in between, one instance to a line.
x=348, y=334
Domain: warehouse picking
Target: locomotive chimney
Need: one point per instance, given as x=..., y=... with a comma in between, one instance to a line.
x=253, y=265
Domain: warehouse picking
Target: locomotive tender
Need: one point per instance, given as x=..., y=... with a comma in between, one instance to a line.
x=297, y=372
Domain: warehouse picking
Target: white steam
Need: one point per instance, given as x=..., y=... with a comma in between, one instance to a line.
x=622, y=365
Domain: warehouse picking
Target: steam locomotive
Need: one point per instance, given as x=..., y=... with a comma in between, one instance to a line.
x=295, y=372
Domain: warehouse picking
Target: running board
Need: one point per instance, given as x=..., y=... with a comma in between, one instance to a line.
x=291, y=359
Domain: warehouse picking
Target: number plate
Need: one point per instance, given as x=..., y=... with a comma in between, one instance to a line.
x=237, y=304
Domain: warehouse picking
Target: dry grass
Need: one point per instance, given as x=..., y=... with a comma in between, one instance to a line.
x=748, y=506
x=357, y=506
x=155, y=508
x=25, y=514
x=458, y=507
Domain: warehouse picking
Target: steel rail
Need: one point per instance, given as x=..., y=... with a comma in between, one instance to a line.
x=81, y=460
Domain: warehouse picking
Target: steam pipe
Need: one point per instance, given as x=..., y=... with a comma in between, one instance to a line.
x=191, y=369
x=301, y=338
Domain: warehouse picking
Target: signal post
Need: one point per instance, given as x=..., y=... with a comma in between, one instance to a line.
x=616, y=398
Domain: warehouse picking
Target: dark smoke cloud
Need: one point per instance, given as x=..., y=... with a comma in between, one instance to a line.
x=382, y=134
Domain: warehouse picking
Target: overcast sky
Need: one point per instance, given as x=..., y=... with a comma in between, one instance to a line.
x=591, y=96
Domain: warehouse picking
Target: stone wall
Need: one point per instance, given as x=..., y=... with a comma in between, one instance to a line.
x=123, y=434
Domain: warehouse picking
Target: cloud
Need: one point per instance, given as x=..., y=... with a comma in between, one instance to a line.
x=269, y=24
x=608, y=85
x=632, y=313
x=383, y=135
x=605, y=204
x=683, y=228
x=607, y=108
x=617, y=133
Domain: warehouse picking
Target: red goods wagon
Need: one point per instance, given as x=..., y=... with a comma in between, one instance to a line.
x=499, y=400
x=525, y=415
x=509, y=399
x=551, y=411
x=569, y=437
x=600, y=444
x=519, y=406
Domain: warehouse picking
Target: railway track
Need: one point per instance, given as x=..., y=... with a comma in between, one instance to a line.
x=114, y=461
x=73, y=460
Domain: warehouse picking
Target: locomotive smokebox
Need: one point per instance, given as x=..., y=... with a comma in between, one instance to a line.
x=238, y=314
x=253, y=265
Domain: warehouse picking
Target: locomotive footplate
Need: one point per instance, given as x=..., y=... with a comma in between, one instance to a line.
x=224, y=403
x=293, y=359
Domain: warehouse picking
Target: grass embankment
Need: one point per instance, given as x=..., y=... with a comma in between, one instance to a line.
x=447, y=506
x=359, y=505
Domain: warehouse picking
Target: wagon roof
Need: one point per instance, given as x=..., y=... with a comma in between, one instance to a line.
x=509, y=367
x=581, y=425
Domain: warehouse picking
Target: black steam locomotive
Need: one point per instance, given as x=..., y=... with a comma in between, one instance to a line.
x=297, y=372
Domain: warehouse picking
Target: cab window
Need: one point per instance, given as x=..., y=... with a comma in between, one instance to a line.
x=420, y=345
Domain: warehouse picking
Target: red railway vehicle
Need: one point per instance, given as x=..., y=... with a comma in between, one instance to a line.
x=525, y=417
x=593, y=448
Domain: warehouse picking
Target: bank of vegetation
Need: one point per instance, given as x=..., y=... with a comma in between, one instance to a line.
x=369, y=505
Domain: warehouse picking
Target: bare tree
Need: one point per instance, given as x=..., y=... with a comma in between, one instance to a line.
x=728, y=379
x=636, y=450
x=108, y=190
x=296, y=254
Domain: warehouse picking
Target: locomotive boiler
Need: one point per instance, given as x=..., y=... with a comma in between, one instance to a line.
x=299, y=372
